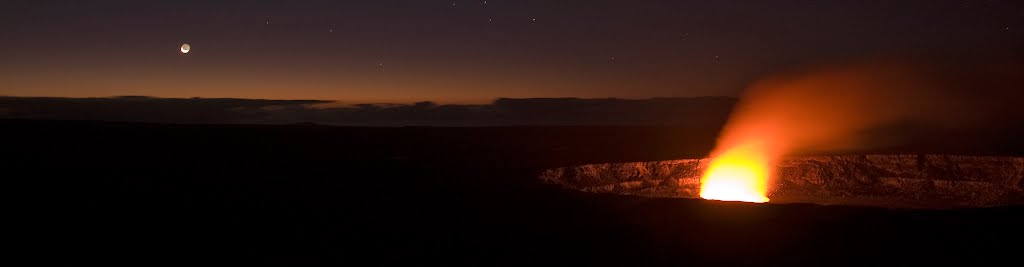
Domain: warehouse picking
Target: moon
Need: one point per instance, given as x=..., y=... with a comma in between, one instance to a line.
x=185, y=48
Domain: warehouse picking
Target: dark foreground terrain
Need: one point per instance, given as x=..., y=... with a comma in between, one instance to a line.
x=95, y=192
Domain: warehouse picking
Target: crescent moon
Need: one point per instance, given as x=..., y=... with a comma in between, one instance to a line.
x=185, y=48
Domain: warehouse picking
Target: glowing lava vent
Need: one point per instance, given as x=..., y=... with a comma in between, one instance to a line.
x=738, y=173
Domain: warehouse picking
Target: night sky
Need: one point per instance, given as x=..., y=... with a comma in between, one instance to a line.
x=466, y=51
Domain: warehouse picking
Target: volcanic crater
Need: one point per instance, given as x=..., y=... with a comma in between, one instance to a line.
x=929, y=181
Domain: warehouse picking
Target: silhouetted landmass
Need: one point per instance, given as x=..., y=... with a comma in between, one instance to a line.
x=700, y=111
x=107, y=192
x=145, y=109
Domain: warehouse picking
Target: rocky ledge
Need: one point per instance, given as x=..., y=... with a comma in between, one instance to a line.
x=899, y=181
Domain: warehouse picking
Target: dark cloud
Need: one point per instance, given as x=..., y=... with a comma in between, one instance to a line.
x=145, y=109
x=698, y=112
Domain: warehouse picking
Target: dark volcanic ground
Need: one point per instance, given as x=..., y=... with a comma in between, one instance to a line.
x=94, y=192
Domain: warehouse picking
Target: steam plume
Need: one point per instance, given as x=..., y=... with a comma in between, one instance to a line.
x=832, y=108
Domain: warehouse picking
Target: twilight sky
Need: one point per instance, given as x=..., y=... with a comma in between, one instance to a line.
x=465, y=51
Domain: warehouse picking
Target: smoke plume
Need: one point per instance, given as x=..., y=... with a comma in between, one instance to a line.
x=849, y=107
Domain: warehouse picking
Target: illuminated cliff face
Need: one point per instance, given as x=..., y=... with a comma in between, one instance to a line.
x=893, y=181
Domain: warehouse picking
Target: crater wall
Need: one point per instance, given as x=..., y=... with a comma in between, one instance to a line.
x=902, y=181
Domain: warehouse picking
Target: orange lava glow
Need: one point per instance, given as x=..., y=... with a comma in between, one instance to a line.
x=738, y=173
